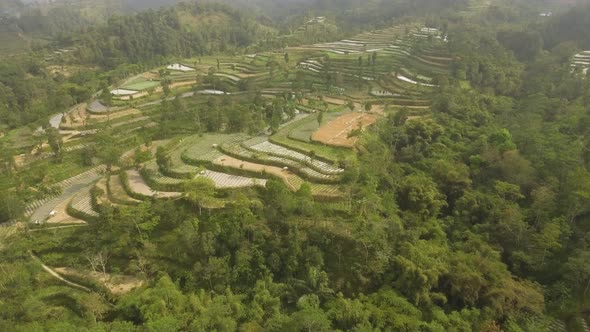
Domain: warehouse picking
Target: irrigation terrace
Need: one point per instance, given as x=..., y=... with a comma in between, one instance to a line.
x=387, y=69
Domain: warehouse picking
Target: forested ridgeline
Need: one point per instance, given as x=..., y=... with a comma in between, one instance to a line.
x=183, y=31
x=35, y=85
x=31, y=90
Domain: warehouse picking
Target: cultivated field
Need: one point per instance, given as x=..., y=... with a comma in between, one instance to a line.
x=336, y=132
x=142, y=85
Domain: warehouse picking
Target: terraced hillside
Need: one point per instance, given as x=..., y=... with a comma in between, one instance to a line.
x=399, y=66
x=323, y=85
x=581, y=62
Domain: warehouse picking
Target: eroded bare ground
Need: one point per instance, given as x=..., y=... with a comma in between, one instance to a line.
x=336, y=132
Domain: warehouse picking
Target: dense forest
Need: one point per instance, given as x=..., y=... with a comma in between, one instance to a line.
x=471, y=216
x=172, y=32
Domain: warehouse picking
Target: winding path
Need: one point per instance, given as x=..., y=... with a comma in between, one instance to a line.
x=57, y=276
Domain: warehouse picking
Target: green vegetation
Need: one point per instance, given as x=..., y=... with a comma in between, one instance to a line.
x=142, y=85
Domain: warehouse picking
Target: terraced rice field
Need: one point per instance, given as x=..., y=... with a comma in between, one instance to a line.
x=304, y=131
x=411, y=81
x=203, y=149
x=141, y=86
x=228, y=76
x=221, y=180
x=292, y=154
x=411, y=86
x=227, y=181
x=103, y=198
x=138, y=186
x=242, y=153
x=290, y=179
x=182, y=84
x=159, y=180
x=323, y=152
x=117, y=193
x=581, y=62
x=335, y=132
x=80, y=118
x=82, y=203
x=279, y=151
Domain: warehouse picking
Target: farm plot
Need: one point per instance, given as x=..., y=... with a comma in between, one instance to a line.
x=581, y=62
x=123, y=92
x=291, y=180
x=117, y=193
x=323, y=152
x=181, y=84
x=141, y=86
x=280, y=151
x=309, y=126
x=138, y=186
x=82, y=204
x=203, y=149
x=228, y=76
x=242, y=153
x=157, y=180
x=336, y=132
x=411, y=81
x=227, y=181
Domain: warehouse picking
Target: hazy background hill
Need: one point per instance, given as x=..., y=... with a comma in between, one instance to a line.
x=573, y=25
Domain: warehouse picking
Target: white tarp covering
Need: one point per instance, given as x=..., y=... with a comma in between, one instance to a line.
x=212, y=92
x=123, y=92
x=179, y=67
x=405, y=79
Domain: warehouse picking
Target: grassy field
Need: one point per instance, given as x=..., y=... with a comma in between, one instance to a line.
x=19, y=138
x=45, y=171
x=201, y=148
x=12, y=42
x=141, y=85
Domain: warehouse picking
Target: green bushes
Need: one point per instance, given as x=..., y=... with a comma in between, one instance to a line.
x=80, y=214
x=125, y=182
x=159, y=182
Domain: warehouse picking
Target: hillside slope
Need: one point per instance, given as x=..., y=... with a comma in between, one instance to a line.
x=185, y=30
x=571, y=26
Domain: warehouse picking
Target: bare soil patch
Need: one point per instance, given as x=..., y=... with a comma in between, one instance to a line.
x=335, y=101
x=335, y=132
x=181, y=84
x=151, y=76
